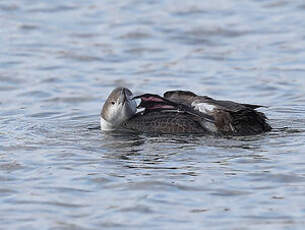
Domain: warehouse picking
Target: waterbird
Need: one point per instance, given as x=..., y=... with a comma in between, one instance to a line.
x=180, y=112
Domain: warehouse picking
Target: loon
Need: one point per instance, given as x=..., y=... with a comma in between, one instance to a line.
x=180, y=112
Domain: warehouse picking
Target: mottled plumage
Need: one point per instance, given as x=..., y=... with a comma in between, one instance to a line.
x=165, y=122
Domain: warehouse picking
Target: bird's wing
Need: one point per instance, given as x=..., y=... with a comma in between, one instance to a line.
x=206, y=103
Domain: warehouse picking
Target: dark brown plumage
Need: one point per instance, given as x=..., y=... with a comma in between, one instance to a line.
x=231, y=118
x=177, y=113
x=165, y=122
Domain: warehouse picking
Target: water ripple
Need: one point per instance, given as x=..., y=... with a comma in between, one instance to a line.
x=61, y=60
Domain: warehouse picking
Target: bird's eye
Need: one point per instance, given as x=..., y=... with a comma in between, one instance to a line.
x=113, y=102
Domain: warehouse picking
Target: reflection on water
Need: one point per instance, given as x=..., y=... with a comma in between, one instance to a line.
x=60, y=61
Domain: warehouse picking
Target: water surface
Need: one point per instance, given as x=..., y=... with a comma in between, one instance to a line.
x=59, y=61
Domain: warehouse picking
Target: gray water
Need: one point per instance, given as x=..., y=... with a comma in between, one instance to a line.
x=60, y=59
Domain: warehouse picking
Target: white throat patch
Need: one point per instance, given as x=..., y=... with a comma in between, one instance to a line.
x=105, y=125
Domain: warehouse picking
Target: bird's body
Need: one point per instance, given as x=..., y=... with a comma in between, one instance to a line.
x=183, y=112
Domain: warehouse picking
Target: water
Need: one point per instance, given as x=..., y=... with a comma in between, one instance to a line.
x=59, y=61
